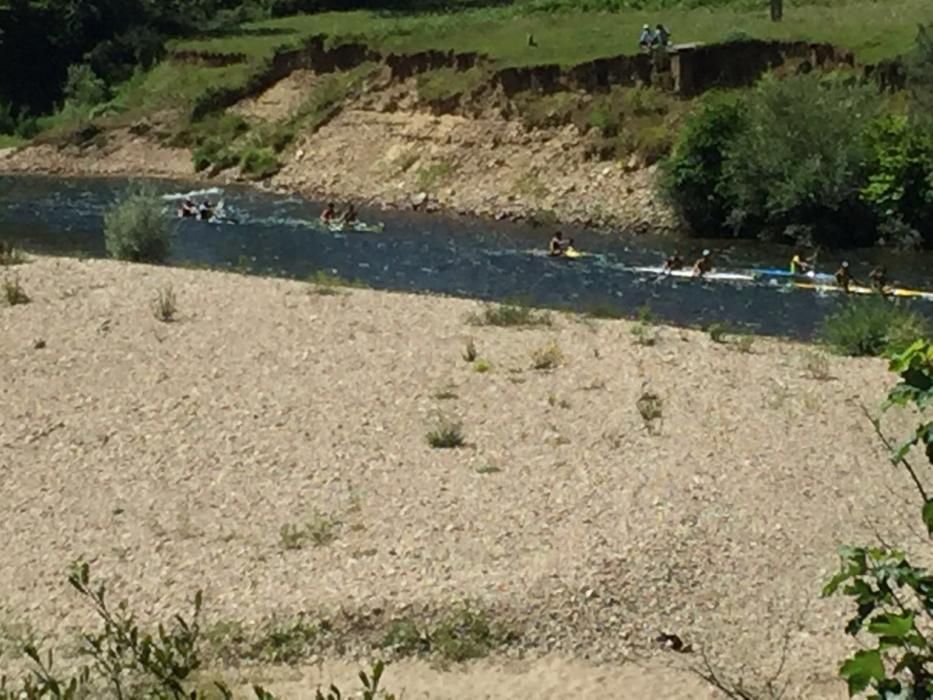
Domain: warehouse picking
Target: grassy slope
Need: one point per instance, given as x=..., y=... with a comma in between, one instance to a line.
x=872, y=29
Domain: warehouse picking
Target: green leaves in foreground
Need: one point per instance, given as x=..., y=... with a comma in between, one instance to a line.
x=889, y=592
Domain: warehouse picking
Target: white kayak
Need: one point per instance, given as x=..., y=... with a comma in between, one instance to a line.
x=659, y=271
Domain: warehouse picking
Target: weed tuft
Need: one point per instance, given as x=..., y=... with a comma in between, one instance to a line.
x=481, y=365
x=14, y=293
x=10, y=255
x=510, y=315
x=817, y=366
x=718, y=332
x=164, y=307
x=548, y=357
x=651, y=408
x=447, y=434
x=469, y=352
x=319, y=531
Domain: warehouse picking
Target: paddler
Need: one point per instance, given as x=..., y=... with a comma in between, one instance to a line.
x=703, y=264
x=187, y=208
x=349, y=216
x=205, y=211
x=879, y=278
x=556, y=247
x=844, y=278
x=799, y=266
x=570, y=251
x=329, y=213
x=673, y=262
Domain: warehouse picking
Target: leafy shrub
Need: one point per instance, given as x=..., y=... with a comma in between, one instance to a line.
x=899, y=187
x=83, y=88
x=891, y=595
x=135, y=228
x=260, y=163
x=799, y=160
x=871, y=327
x=692, y=178
x=464, y=634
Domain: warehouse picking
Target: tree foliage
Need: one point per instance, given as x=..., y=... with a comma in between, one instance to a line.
x=812, y=160
x=893, y=597
x=693, y=176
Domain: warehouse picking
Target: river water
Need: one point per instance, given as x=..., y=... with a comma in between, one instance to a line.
x=438, y=254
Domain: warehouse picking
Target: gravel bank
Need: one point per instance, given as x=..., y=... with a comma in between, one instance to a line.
x=171, y=455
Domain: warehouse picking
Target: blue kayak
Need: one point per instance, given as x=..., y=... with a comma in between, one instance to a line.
x=784, y=272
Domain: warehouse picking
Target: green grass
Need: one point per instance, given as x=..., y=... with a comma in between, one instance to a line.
x=10, y=140
x=447, y=82
x=872, y=29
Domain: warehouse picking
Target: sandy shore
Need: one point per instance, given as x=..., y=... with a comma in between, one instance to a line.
x=171, y=454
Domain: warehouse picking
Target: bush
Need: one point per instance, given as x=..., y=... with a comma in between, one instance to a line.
x=797, y=165
x=259, y=163
x=135, y=228
x=899, y=187
x=872, y=327
x=692, y=177
x=83, y=88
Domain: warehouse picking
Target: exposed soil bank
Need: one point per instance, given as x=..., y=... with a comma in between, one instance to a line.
x=171, y=455
x=489, y=168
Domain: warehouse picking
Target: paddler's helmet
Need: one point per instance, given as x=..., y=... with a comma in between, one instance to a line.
x=845, y=263
x=705, y=253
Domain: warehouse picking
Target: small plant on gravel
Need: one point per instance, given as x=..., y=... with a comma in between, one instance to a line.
x=14, y=293
x=405, y=638
x=553, y=401
x=164, y=307
x=744, y=343
x=817, y=366
x=510, y=315
x=548, y=357
x=463, y=635
x=10, y=255
x=445, y=394
x=488, y=469
x=446, y=434
x=651, y=408
x=718, y=332
x=135, y=228
x=469, y=352
x=481, y=365
x=328, y=283
x=644, y=334
x=319, y=531
x=284, y=642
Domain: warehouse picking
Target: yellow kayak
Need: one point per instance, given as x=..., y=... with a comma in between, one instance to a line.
x=858, y=289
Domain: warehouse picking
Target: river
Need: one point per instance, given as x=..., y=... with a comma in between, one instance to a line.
x=459, y=256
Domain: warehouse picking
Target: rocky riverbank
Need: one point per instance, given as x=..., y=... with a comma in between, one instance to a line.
x=379, y=152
